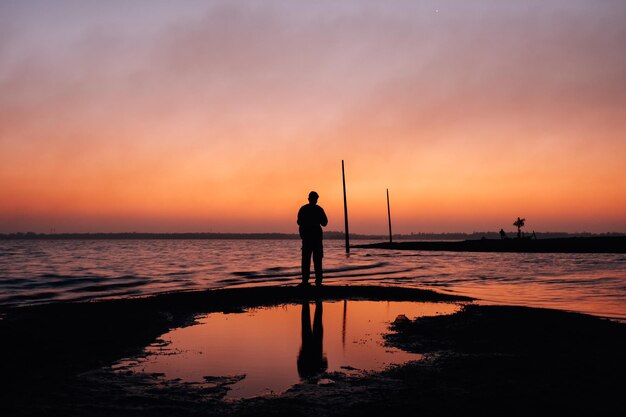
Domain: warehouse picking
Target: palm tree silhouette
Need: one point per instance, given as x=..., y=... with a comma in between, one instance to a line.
x=519, y=223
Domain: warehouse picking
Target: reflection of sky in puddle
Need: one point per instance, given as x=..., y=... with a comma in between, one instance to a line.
x=279, y=346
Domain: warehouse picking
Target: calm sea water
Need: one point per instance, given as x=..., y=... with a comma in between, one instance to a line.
x=49, y=271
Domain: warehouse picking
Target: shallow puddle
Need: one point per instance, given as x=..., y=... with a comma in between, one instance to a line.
x=267, y=350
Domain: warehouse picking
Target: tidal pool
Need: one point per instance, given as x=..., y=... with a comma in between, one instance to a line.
x=268, y=350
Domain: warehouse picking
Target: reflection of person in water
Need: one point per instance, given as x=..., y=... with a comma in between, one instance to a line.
x=311, y=359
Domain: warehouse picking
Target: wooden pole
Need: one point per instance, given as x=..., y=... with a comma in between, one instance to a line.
x=389, y=217
x=345, y=207
x=343, y=328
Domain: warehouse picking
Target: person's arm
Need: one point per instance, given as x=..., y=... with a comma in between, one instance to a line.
x=299, y=221
x=324, y=219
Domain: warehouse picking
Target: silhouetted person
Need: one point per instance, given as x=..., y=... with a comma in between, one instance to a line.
x=502, y=234
x=311, y=219
x=311, y=359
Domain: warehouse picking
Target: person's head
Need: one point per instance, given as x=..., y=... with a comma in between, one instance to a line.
x=313, y=197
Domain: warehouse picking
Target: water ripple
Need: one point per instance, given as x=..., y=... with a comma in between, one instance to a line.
x=48, y=271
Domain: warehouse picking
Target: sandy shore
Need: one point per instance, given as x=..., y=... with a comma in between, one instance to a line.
x=489, y=360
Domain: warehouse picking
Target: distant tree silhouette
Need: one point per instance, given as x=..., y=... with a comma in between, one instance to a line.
x=519, y=223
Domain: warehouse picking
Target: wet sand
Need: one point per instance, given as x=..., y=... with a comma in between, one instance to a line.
x=612, y=244
x=490, y=360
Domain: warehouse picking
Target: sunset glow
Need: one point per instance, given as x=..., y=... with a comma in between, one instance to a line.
x=159, y=116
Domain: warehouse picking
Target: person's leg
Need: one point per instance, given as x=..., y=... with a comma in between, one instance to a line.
x=318, y=254
x=321, y=362
x=306, y=262
x=306, y=367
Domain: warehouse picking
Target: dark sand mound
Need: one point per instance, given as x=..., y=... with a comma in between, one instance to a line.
x=505, y=360
x=482, y=360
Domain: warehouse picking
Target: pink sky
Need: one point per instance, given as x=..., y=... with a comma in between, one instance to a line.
x=221, y=116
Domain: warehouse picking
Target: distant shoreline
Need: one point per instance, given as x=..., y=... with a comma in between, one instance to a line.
x=328, y=235
x=596, y=244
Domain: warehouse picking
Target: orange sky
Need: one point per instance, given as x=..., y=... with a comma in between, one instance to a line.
x=222, y=116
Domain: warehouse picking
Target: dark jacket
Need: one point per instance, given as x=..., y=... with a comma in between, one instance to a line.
x=311, y=218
